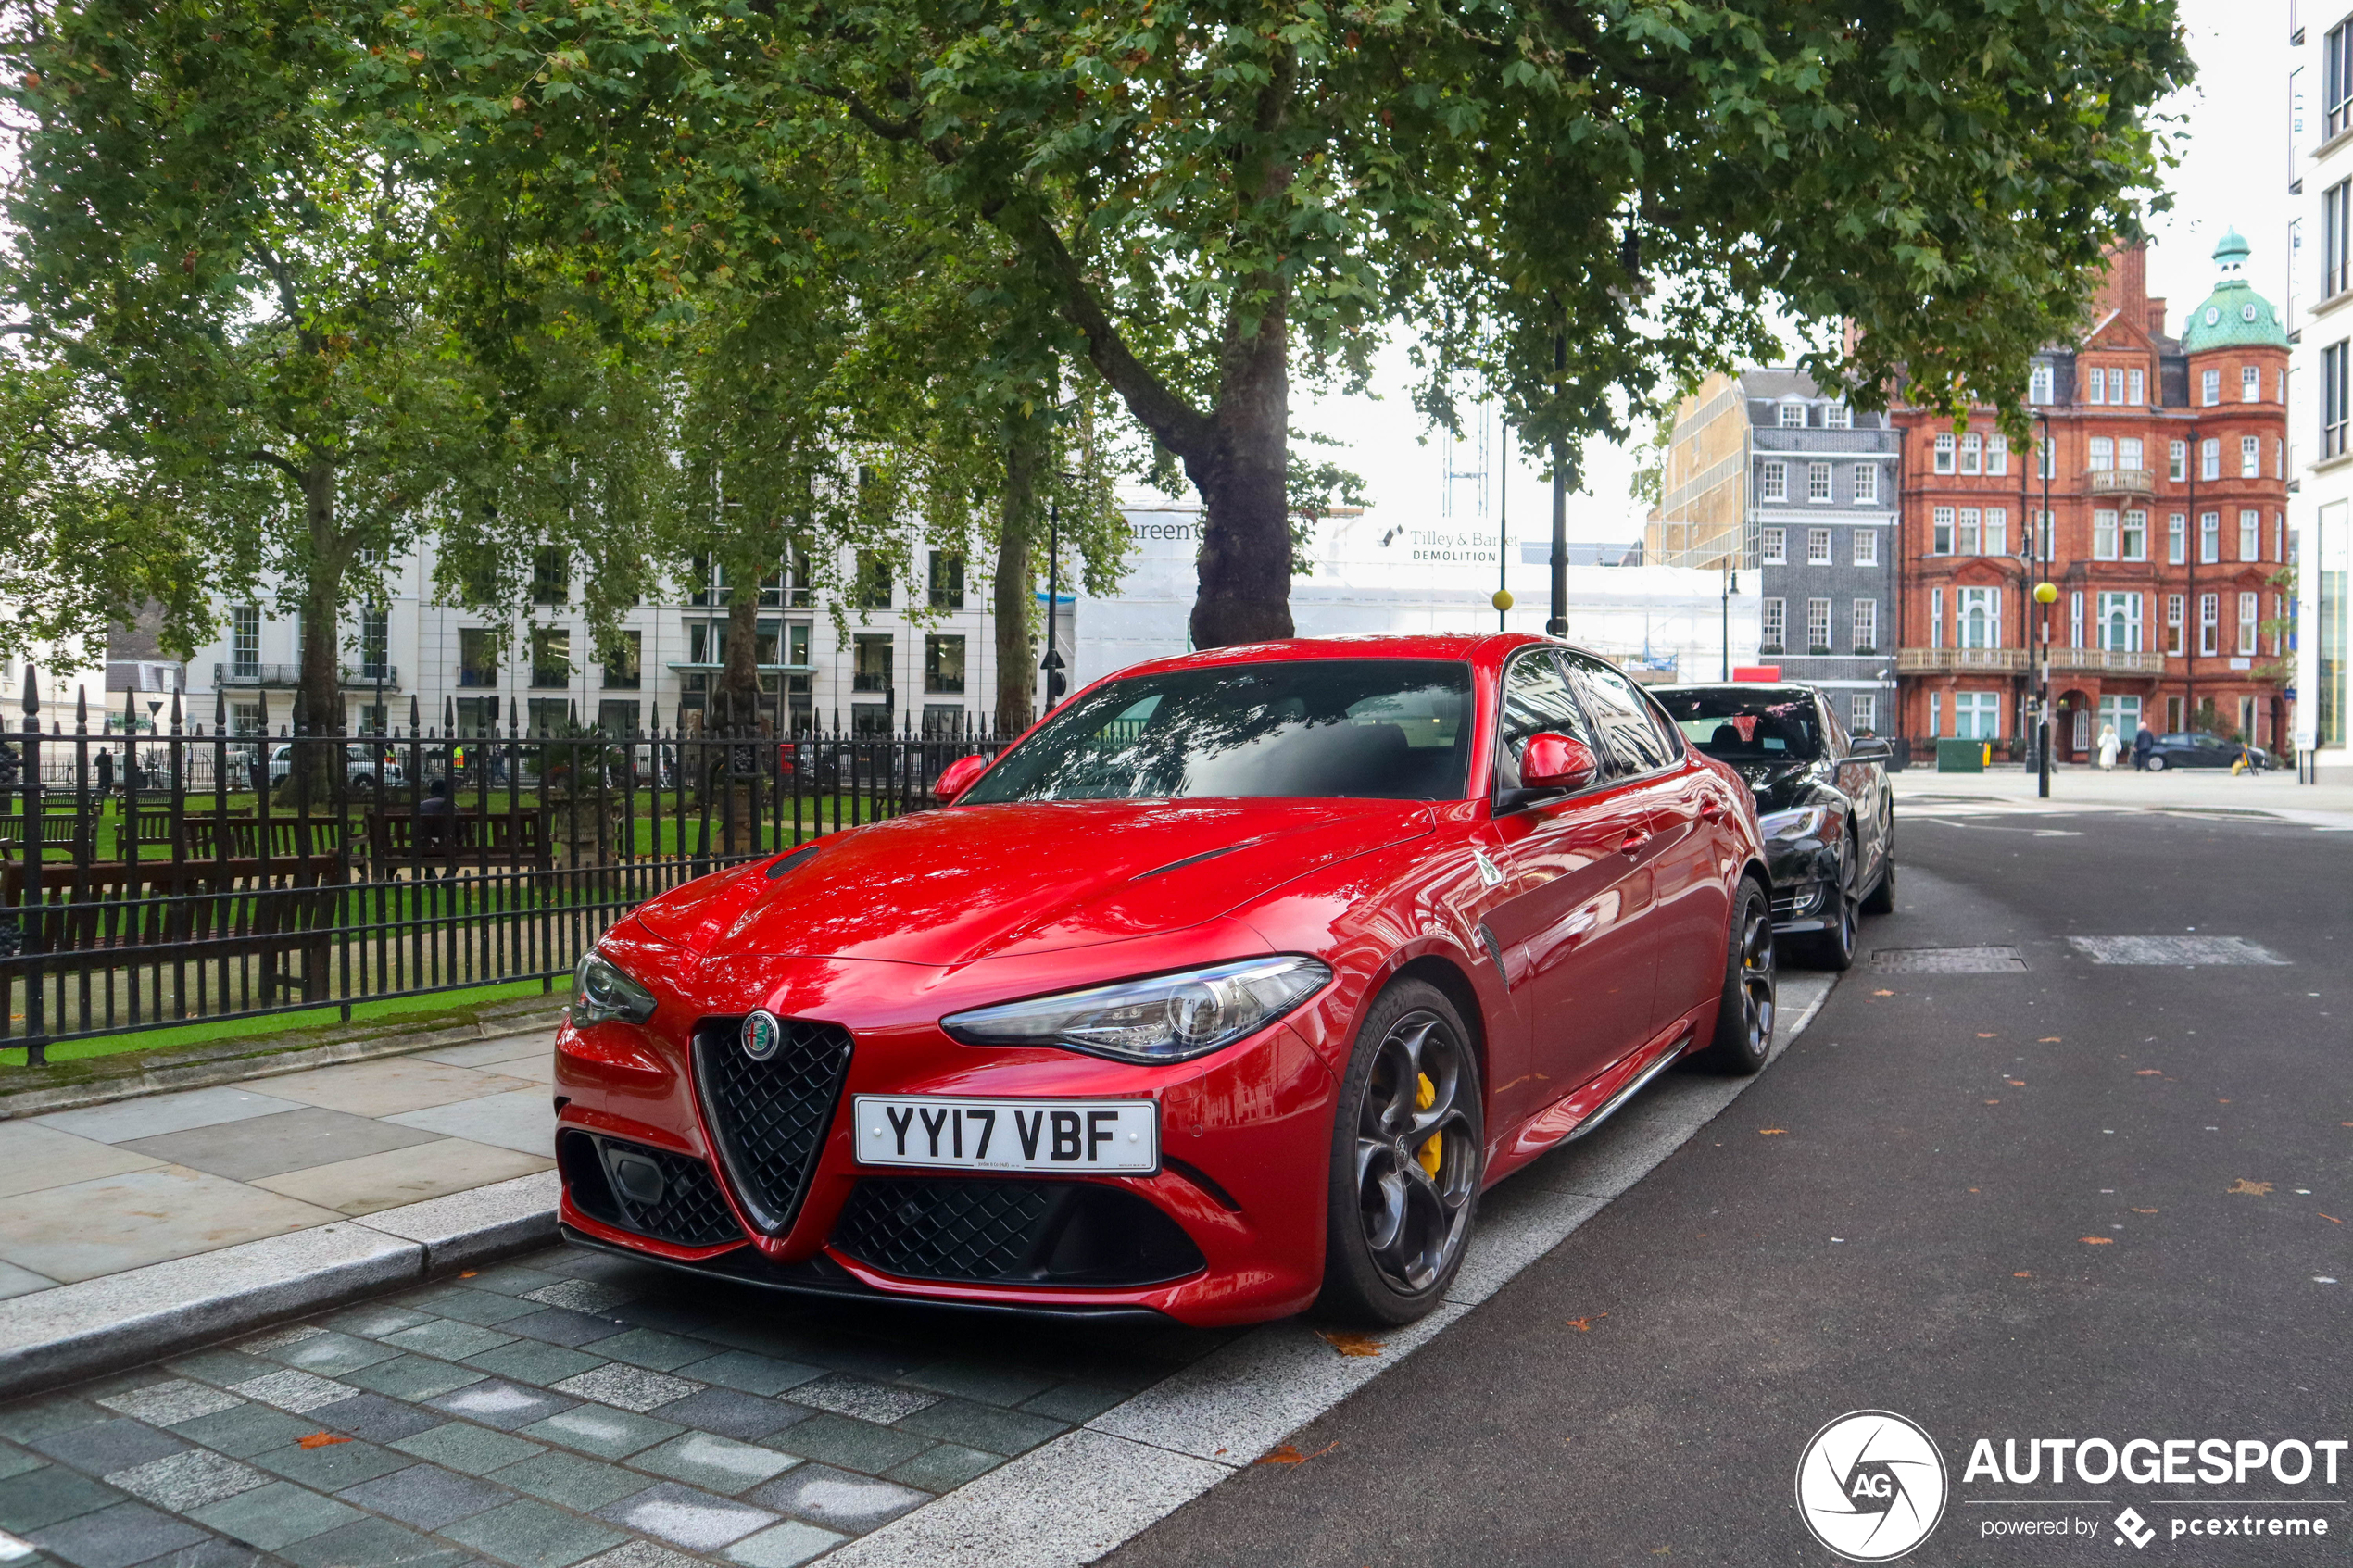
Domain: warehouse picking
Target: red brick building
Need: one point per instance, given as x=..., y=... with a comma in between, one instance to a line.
x=2168, y=500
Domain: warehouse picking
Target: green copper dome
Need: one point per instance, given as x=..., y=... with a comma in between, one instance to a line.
x=2233, y=316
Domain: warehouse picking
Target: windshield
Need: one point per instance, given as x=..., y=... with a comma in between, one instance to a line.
x=1354, y=728
x=1743, y=726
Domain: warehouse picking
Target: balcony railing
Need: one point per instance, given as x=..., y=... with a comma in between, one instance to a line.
x=2113, y=661
x=290, y=675
x=2123, y=481
x=1931, y=661
x=866, y=681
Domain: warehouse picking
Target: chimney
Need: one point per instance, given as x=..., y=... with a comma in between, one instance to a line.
x=2124, y=286
x=2157, y=317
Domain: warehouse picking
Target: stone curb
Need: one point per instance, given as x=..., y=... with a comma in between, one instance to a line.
x=72, y=1332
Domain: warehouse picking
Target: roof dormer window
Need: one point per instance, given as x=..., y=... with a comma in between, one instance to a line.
x=1837, y=416
x=1793, y=416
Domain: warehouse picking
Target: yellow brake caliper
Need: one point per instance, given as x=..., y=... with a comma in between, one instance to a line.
x=1425, y=1095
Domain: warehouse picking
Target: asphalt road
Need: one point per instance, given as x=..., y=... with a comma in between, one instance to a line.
x=2080, y=1201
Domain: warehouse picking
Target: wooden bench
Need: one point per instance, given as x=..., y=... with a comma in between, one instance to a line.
x=179, y=911
x=399, y=835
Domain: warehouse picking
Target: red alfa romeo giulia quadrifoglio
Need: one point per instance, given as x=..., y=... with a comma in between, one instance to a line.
x=1224, y=992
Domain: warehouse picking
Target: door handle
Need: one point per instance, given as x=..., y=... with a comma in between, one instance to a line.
x=1635, y=838
x=1711, y=809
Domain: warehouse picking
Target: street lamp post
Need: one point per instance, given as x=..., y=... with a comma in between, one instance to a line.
x=1557, y=625
x=2045, y=594
x=1052, y=664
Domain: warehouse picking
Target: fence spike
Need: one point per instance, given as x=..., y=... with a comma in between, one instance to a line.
x=414, y=723
x=175, y=710
x=129, y=714
x=32, y=700
x=81, y=709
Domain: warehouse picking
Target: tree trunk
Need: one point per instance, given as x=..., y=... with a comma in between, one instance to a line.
x=739, y=681
x=1015, y=587
x=321, y=683
x=1245, y=552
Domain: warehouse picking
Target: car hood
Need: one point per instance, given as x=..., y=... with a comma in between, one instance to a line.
x=1777, y=786
x=949, y=886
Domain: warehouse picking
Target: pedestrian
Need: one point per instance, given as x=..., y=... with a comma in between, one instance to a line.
x=2110, y=747
x=2142, y=744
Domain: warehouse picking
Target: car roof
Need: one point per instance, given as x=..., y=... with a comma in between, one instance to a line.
x=1775, y=690
x=1488, y=647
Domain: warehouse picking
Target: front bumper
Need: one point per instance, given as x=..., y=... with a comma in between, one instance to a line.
x=1230, y=1229
x=1805, y=873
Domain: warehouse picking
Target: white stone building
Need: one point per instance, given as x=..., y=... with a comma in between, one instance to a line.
x=2319, y=321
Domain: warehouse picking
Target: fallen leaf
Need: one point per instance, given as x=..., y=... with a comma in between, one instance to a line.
x=2150, y=1072
x=2097, y=1240
x=1972, y=1190
x=2143, y=1210
x=1992, y=1102
x=2021, y=1274
x=2222, y=1102
x=1983, y=1036
x=470, y=1273
x=2048, y=1040
x=2249, y=1190
x=2329, y=1217
x=319, y=1440
x=2015, y=1082
x=1661, y=1551
x=1349, y=1344
x=1289, y=1455
x=1585, y=1326
x=1891, y=993
x=1770, y=1132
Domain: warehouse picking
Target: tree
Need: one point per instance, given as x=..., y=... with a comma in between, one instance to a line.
x=1576, y=202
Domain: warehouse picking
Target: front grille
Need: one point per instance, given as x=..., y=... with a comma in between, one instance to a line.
x=767, y=1118
x=989, y=1232
x=683, y=1205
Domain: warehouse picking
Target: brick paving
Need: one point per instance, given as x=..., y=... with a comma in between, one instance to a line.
x=569, y=1408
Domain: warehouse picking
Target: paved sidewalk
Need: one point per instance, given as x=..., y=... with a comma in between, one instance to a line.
x=92, y=1193
x=2274, y=794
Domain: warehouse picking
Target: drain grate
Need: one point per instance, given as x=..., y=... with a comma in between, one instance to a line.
x=2174, y=950
x=1947, y=961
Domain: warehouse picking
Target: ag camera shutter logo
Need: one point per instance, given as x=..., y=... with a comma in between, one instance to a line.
x=1870, y=1486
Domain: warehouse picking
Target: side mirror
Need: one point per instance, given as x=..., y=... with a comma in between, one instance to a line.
x=1872, y=749
x=957, y=777
x=1557, y=761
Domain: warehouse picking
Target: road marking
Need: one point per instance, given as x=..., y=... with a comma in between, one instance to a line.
x=1073, y=1500
x=2172, y=951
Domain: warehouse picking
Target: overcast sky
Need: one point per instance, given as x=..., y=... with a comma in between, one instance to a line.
x=2233, y=174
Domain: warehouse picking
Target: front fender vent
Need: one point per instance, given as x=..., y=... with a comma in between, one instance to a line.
x=651, y=1191
x=768, y=1119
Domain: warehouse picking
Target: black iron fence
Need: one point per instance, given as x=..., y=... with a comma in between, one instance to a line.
x=158, y=879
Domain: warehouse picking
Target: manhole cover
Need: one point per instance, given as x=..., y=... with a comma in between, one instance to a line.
x=1949, y=960
x=2174, y=950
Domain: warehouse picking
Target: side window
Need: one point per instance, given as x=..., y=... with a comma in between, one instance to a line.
x=1834, y=731
x=1536, y=698
x=1628, y=730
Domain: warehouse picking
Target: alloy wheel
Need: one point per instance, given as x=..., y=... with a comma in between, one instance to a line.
x=1417, y=1153
x=1758, y=979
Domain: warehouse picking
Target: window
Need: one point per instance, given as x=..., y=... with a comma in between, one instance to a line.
x=2135, y=542
x=2173, y=608
x=872, y=591
x=1776, y=482
x=2103, y=537
x=2333, y=398
x=2128, y=452
x=2250, y=457
x=1980, y=612
x=375, y=643
x=1866, y=484
x=550, y=655
x=2177, y=460
x=1866, y=546
x=2336, y=229
x=2041, y=386
x=944, y=720
x=1944, y=447
x=1774, y=544
x=1866, y=626
x=870, y=669
x=2140, y=387
x=1965, y=539
x=1817, y=481
x=1837, y=416
x=622, y=662
x=2210, y=622
x=2250, y=535
x=2176, y=539
x=1818, y=625
x=943, y=664
x=1935, y=713
x=1793, y=416
x=477, y=657
x=1977, y=715
x=1862, y=712
x=1630, y=728
x=1817, y=547
x=2209, y=386
x=1973, y=454
x=550, y=716
x=1768, y=626
x=2250, y=384
x=2209, y=537
x=477, y=717
x=948, y=581
x=245, y=642
x=1997, y=531
x=2075, y=619
x=550, y=575
x=2209, y=458
x=1997, y=453
x=2095, y=383
x=620, y=720
x=2103, y=454
x=2120, y=622
x=2046, y=461
x=1936, y=618
x=2116, y=387
x=2246, y=628
x=1941, y=531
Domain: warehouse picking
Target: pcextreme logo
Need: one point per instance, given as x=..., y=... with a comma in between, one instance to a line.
x=1870, y=1486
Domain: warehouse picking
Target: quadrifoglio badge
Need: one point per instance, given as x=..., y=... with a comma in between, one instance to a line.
x=1872, y=1485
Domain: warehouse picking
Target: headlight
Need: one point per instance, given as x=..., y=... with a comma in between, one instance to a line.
x=599, y=991
x=1804, y=823
x=1167, y=1017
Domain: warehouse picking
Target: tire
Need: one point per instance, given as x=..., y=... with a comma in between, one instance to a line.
x=1743, y=1038
x=1881, y=899
x=1397, y=1229
x=2157, y=762
x=1834, y=948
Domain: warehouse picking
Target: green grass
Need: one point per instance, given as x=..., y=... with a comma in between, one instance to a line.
x=181, y=1035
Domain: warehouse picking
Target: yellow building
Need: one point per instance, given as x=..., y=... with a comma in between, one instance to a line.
x=1703, y=516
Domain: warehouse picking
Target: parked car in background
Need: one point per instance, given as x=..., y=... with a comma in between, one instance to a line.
x=1222, y=993
x=1822, y=802
x=364, y=767
x=2198, y=749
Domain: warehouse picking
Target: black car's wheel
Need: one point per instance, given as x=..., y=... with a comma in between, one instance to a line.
x=1408, y=1149
x=1881, y=899
x=1745, y=1019
x=2157, y=762
x=1832, y=948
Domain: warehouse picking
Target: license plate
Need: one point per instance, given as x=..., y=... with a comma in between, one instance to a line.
x=1007, y=1135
